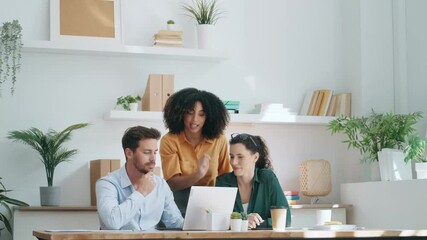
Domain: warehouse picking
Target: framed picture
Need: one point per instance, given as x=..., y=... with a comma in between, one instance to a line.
x=86, y=21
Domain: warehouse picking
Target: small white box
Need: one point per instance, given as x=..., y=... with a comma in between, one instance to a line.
x=217, y=221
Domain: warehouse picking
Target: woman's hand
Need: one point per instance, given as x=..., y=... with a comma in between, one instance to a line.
x=254, y=220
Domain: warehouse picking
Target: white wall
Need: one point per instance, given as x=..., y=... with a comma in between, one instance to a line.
x=277, y=51
x=416, y=58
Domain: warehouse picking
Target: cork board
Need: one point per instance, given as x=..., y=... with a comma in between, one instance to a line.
x=86, y=21
x=92, y=18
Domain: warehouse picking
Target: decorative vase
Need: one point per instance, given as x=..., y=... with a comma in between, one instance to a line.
x=133, y=107
x=206, y=36
x=50, y=196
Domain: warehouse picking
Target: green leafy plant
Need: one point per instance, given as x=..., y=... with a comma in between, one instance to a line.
x=125, y=101
x=170, y=22
x=203, y=11
x=415, y=150
x=10, y=52
x=48, y=145
x=244, y=216
x=370, y=134
x=236, y=215
x=4, y=204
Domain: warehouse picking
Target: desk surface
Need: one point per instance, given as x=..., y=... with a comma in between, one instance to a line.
x=254, y=234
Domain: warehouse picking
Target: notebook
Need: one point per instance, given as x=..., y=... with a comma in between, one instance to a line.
x=216, y=199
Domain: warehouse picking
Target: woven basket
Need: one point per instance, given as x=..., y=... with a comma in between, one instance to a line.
x=315, y=178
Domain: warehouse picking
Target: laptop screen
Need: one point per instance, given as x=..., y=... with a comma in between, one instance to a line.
x=216, y=199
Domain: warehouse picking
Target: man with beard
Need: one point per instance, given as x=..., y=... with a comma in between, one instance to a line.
x=132, y=197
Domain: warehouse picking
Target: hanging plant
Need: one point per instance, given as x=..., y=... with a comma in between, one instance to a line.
x=10, y=52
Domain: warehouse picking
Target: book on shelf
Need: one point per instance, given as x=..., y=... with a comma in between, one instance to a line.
x=332, y=108
x=166, y=37
x=292, y=197
x=324, y=102
x=168, y=45
x=317, y=103
x=231, y=105
x=169, y=33
x=168, y=41
x=343, y=106
x=306, y=103
x=312, y=102
x=291, y=193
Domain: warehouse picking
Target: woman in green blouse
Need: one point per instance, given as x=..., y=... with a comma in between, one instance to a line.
x=258, y=187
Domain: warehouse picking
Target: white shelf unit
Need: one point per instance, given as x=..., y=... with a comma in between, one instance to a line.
x=234, y=118
x=93, y=48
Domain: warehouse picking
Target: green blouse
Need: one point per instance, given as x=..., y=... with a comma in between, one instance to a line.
x=266, y=192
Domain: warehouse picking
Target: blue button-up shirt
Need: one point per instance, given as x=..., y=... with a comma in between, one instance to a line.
x=121, y=207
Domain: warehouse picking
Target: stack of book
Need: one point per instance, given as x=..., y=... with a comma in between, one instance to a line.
x=324, y=102
x=292, y=196
x=168, y=39
x=232, y=106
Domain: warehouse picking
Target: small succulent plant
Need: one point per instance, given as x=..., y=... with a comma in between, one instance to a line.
x=236, y=215
x=244, y=216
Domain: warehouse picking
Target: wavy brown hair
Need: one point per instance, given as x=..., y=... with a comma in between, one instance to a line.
x=255, y=144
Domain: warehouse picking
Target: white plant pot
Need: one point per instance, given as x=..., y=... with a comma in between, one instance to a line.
x=393, y=166
x=236, y=225
x=206, y=37
x=171, y=27
x=421, y=169
x=244, y=225
x=133, y=107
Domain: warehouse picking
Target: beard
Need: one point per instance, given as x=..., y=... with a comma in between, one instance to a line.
x=144, y=168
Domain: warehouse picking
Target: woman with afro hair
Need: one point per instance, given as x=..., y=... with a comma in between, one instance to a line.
x=194, y=151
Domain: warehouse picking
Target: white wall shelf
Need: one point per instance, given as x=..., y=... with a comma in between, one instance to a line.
x=93, y=48
x=234, y=118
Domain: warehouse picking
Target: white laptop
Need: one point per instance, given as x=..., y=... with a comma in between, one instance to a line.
x=217, y=199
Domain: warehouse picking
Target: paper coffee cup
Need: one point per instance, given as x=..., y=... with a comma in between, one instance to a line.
x=278, y=217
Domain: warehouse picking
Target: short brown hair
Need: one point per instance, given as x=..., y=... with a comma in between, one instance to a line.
x=133, y=135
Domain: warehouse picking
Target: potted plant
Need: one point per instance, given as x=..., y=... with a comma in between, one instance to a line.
x=244, y=226
x=171, y=25
x=10, y=52
x=415, y=150
x=52, y=153
x=5, y=201
x=206, y=13
x=377, y=131
x=235, y=222
x=128, y=102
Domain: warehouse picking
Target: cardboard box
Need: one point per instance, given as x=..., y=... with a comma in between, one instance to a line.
x=157, y=91
x=98, y=169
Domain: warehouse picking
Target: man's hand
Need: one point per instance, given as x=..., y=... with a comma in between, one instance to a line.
x=146, y=184
x=203, y=165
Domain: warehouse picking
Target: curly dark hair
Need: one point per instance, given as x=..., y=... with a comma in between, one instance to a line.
x=181, y=102
x=133, y=135
x=255, y=144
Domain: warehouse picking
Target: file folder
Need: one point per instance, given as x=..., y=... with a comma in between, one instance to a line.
x=159, y=88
